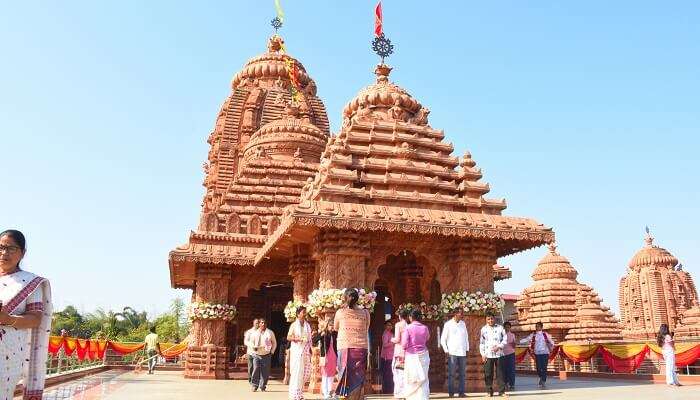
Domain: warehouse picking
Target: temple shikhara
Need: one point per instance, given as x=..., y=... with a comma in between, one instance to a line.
x=569, y=310
x=384, y=204
x=657, y=291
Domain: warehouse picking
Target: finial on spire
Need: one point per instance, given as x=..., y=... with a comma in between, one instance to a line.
x=649, y=240
x=381, y=44
x=382, y=71
x=552, y=247
x=275, y=44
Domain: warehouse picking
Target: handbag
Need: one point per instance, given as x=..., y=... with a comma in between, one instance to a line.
x=399, y=364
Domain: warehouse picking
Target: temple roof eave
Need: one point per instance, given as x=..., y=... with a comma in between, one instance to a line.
x=517, y=234
x=204, y=247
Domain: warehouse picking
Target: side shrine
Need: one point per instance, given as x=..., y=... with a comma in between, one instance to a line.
x=383, y=205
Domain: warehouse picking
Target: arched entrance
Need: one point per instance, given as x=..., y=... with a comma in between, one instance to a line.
x=266, y=302
x=405, y=277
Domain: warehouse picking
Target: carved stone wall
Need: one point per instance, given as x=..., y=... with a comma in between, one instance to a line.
x=302, y=268
x=474, y=271
x=342, y=257
x=207, y=355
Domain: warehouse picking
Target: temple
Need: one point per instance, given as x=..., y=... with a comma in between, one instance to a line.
x=569, y=310
x=263, y=150
x=383, y=205
x=657, y=291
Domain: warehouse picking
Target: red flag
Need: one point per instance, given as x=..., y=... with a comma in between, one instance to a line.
x=378, y=20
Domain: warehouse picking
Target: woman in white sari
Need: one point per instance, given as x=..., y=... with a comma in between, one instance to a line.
x=299, y=355
x=25, y=321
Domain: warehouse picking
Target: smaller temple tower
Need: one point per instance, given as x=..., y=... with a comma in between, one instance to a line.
x=657, y=291
x=569, y=310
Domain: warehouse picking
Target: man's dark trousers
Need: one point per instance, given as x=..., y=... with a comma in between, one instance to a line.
x=491, y=369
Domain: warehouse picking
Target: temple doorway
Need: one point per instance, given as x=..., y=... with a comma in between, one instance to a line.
x=268, y=302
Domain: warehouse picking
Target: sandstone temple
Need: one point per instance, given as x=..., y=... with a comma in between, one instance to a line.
x=569, y=310
x=382, y=204
x=657, y=291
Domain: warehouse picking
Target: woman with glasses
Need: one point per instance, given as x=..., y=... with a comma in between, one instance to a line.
x=25, y=321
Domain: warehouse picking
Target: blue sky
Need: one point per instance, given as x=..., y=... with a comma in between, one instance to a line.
x=584, y=116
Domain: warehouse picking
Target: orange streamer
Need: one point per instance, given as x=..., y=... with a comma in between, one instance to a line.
x=170, y=350
x=125, y=348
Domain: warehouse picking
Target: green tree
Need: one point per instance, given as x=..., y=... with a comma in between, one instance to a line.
x=69, y=320
x=127, y=325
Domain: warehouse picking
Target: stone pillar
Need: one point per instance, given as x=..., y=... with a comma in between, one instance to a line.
x=471, y=265
x=302, y=269
x=207, y=355
x=438, y=361
x=342, y=258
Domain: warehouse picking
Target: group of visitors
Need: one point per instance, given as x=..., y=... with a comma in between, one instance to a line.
x=260, y=344
x=404, y=357
x=496, y=347
x=406, y=353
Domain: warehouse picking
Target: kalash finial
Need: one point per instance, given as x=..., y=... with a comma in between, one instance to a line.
x=553, y=248
x=381, y=44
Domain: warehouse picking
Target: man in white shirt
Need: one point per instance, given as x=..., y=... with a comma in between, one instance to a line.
x=249, y=347
x=491, y=342
x=541, y=344
x=455, y=341
x=264, y=344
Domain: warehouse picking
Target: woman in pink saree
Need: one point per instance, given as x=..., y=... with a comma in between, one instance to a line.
x=25, y=321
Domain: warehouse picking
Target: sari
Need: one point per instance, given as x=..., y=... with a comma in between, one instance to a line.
x=352, y=364
x=398, y=361
x=24, y=351
x=299, y=359
x=416, y=382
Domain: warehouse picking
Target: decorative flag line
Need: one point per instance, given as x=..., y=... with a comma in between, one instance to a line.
x=620, y=358
x=93, y=349
x=293, y=71
x=378, y=29
x=280, y=13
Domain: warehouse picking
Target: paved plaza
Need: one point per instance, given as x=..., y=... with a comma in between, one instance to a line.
x=121, y=385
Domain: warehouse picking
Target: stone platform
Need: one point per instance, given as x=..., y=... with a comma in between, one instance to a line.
x=120, y=385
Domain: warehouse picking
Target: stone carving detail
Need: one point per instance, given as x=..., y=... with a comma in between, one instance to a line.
x=209, y=222
x=272, y=224
x=233, y=223
x=654, y=292
x=342, y=256
x=254, y=225
x=302, y=269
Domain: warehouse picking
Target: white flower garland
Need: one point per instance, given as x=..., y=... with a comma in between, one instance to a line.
x=478, y=303
x=290, y=310
x=210, y=311
x=332, y=299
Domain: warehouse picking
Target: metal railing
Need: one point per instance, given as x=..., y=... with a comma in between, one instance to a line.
x=61, y=363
